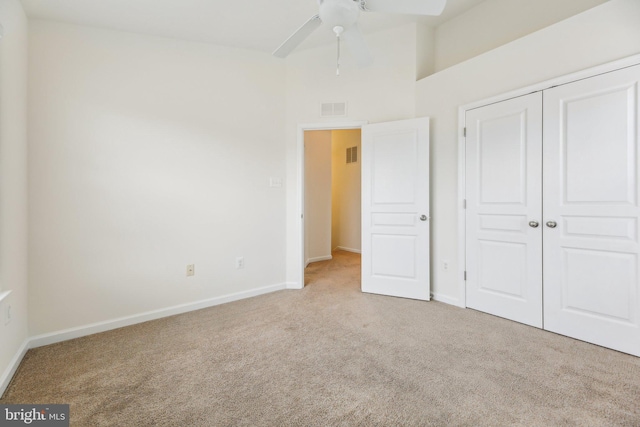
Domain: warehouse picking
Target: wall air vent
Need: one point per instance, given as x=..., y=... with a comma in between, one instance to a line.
x=352, y=155
x=333, y=109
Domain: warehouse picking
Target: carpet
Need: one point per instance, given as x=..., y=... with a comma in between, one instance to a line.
x=329, y=355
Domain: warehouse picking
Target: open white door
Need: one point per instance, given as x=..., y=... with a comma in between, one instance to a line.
x=395, y=208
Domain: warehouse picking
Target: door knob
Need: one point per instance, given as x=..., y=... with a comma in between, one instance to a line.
x=423, y=218
x=552, y=224
x=534, y=224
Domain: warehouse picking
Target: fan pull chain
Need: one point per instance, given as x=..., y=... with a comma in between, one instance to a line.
x=338, y=30
x=338, y=59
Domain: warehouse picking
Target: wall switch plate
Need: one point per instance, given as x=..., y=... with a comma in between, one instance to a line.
x=239, y=263
x=275, y=182
x=191, y=270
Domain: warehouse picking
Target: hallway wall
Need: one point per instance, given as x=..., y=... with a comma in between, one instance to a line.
x=346, y=191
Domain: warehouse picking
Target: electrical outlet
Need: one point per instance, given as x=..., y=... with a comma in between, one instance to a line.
x=7, y=314
x=445, y=265
x=191, y=270
x=239, y=263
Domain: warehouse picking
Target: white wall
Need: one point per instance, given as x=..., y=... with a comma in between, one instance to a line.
x=13, y=183
x=608, y=32
x=382, y=92
x=147, y=154
x=493, y=23
x=317, y=197
x=345, y=191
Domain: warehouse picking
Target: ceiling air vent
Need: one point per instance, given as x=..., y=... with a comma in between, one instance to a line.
x=333, y=109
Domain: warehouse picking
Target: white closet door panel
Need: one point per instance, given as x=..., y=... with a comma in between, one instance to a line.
x=504, y=194
x=591, y=190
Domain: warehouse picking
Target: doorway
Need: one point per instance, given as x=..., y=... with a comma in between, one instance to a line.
x=395, y=206
x=332, y=198
x=300, y=186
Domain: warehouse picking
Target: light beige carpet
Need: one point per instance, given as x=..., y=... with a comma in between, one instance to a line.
x=329, y=355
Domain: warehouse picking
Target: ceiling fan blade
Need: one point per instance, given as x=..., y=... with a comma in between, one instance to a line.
x=408, y=7
x=357, y=46
x=298, y=37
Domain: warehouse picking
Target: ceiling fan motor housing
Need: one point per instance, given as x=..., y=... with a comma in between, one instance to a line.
x=342, y=13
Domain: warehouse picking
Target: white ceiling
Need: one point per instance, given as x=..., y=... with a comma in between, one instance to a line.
x=253, y=24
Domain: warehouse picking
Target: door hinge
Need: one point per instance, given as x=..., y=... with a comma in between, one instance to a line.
x=464, y=204
x=464, y=132
x=465, y=276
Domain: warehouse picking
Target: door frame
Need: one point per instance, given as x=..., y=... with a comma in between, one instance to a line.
x=462, y=111
x=300, y=238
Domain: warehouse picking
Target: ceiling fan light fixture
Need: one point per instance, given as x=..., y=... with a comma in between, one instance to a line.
x=339, y=13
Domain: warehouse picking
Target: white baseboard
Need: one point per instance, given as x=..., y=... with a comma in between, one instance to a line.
x=94, y=328
x=342, y=248
x=318, y=259
x=7, y=375
x=294, y=285
x=447, y=300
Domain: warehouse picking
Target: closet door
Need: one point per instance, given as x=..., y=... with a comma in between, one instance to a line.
x=504, y=212
x=591, y=196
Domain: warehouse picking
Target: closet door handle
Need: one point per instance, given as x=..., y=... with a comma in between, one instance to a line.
x=552, y=224
x=423, y=218
x=534, y=224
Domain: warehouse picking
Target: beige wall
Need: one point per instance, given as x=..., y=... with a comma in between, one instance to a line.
x=494, y=23
x=147, y=154
x=317, y=196
x=608, y=32
x=346, y=192
x=425, y=51
x=13, y=183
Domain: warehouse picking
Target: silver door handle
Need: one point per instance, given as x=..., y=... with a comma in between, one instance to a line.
x=423, y=218
x=534, y=224
x=552, y=224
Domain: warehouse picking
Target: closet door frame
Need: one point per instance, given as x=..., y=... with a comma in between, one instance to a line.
x=462, y=111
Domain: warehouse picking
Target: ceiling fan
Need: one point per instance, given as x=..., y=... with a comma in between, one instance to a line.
x=342, y=17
